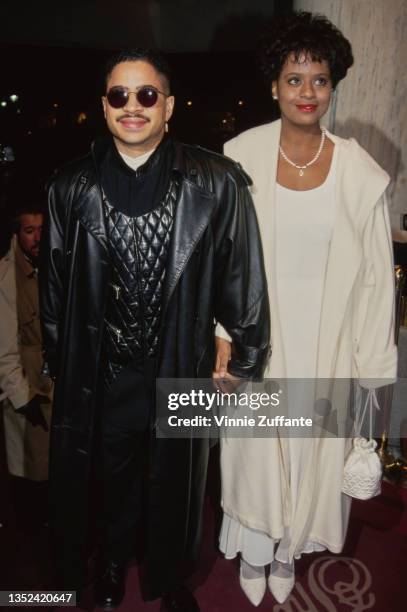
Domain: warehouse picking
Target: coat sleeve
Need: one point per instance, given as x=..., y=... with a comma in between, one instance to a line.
x=241, y=296
x=12, y=379
x=376, y=352
x=51, y=278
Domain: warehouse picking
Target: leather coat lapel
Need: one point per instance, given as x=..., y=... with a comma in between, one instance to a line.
x=89, y=211
x=194, y=211
x=89, y=206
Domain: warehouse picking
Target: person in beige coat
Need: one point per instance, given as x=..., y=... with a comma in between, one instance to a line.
x=322, y=211
x=28, y=395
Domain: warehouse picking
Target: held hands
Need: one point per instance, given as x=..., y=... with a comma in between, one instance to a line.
x=223, y=356
x=224, y=381
x=33, y=413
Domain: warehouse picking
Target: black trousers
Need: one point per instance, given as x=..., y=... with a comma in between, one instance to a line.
x=125, y=434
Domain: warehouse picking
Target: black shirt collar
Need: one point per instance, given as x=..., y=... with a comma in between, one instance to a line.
x=155, y=158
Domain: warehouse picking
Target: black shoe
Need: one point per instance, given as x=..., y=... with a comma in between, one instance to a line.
x=179, y=600
x=110, y=585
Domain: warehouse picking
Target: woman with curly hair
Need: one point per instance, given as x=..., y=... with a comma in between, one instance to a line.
x=320, y=201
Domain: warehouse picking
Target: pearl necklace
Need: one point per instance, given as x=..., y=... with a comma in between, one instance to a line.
x=313, y=160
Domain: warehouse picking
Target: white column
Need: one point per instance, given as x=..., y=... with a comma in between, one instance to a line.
x=371, y=103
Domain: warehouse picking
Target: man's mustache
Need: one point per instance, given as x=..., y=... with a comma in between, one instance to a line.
x=135, y=116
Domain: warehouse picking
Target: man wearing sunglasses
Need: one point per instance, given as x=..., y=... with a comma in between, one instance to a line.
x=147, y=243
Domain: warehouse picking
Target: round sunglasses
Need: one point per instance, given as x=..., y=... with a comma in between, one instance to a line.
x=146, y=95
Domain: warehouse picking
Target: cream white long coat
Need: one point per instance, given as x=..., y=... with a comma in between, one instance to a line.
x=20, y=367
x=356, y=340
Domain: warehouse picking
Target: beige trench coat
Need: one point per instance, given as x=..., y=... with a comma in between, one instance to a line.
x=356, y=340
x=20, y=366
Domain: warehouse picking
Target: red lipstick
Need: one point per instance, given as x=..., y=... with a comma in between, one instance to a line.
x=307, y=108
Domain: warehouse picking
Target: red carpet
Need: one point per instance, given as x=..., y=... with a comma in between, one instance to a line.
x=370, y=574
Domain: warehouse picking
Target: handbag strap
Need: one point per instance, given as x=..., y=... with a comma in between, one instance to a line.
x=371, y=402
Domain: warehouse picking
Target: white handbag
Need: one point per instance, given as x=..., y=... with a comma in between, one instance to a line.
x=363, y=471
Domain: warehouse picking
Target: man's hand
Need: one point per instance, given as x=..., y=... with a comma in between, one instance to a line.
x=33, y=413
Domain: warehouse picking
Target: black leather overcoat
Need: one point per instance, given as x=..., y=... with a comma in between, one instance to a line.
x=214, y=272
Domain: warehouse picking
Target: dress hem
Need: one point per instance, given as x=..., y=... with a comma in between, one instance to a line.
x=314, y=540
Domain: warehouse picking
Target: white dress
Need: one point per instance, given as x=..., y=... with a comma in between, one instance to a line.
x=304, y=225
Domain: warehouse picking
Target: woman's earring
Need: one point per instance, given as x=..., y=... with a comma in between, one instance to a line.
x=166, y=126
x=275, y=97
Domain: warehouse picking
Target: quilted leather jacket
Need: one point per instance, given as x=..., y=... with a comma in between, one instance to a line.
x=138, y=249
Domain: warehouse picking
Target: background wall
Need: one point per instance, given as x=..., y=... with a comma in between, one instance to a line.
x=371, y=102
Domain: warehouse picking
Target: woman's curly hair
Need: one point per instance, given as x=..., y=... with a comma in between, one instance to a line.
x=303, y=32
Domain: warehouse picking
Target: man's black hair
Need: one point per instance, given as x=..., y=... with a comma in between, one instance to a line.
x=304, y=33
x=24, y=209
x=151, y=56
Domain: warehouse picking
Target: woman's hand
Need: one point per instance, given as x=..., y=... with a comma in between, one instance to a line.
x=224, y=381
x=223, y=355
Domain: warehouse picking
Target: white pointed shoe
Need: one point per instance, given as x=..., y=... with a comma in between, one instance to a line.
x=281, y=587
x=253, y=588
